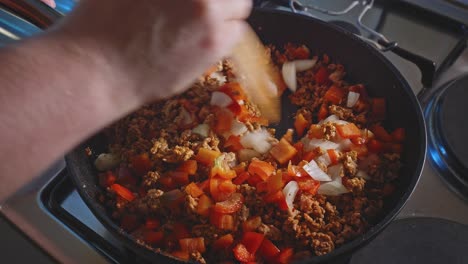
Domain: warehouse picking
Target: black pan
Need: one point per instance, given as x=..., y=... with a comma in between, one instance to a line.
x=363, y=64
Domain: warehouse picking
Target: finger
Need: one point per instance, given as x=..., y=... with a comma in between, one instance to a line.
x=226, y=42
x=230, y=9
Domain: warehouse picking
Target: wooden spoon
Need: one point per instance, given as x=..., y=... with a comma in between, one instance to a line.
x=257, y=75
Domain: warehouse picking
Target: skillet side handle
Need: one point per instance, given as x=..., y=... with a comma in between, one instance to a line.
x=426, y=66
x=33, y=11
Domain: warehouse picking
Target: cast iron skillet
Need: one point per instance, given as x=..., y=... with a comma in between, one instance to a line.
x=362, y=63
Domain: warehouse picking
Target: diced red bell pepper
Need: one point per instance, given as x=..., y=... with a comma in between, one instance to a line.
x=233, y=143
x=207, y=156
x=380, y=133
x=252, y=241
x=362, y=150
x=275, y=182
x=277, y=198
x=254, y=180
x=283, y=151
x=204, y=205
x=222, y=120
x=222, y=221
x=242, y=254
x=180, y=178
x=123, y=192
x=223, y=242
x=334, y=95
x=193, y=190
x=262, y=187
x=241, y=178
x=182, y=255
x=286, y=256
x=308, y=185
x=323, y=112
x=375, y=146
x=239, y=168
x=205, y=186
x=268, y=250
x=300, y=53
x=308, y=156
x=167, y=183
x=188, y=166
x=261, y=168
x=315, y=131
x=141, y=164
x=333, y=155
x=153, y=237
x=192, y=244
x=227, y=186
x=379, y=109
x=231, y=205
x=349, y=130
x=398, y=135
x=252, y=223
x=152, y=223
x=300, y=124
x=217, y=193
x=321, y=77
x=107, y=179
x=129, y=222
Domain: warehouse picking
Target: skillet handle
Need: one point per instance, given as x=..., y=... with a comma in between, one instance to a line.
x=33, y=11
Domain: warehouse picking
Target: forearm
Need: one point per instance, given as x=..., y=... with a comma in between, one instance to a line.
x=52, y=95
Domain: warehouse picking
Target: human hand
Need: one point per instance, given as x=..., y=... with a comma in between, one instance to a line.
x=158, y=46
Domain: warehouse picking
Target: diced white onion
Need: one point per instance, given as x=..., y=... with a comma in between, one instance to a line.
x=106, y=161
x=315, y=172
x=331, y=118
x=257, y=140
x=325, y=159
x=304, y=65
x=340, y=122
x=289, y=75
x=238, y=128
x=345, y=144
x=186, y=117
x=202, y=130
x=290, y=192
x=335, y=171
x=333, y=188
x=248, y=154
x=311, y=144
x=220, y=99
x=362, y=174
x=218, y=76
x=353, y=97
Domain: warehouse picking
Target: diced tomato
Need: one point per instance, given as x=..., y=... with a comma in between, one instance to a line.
x=323, y=112
x=275, y=182
x=223, y=242
x=182, y=255
x=179, y=177
x=129, y=222
x=362, y=150
x=300, y=53
x=223, y=120
x=252, y=223
x=123, y=192
x=334, y=95
x=268, y=250
x=242, y=254
x=193, y=190
x=379, y=109
x=252, y=241
x=153, y=237
x=398, y=135
x=233, y=143
x=283, y=151
x=349, y=130
x=286, y=256
x=380, y=133
x=308, y=185
x=333, y=154
x=277, y=198
x=192, y=244
x=152, y=223
x=204, y=205
x=234, y=90
x=188, y=166
x=241, y=178
x=388, y=189
x=321, y=77
x=141, y=164
x=222, y=221
x=207, y=156
x=231, y=205
x=253, y=180
x=107, y=179
x=375, y=146
x=261, y=168
x=300, y=124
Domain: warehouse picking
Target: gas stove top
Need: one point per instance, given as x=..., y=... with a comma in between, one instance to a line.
x=50, y=211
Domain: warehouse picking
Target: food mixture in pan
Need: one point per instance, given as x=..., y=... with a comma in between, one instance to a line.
x=202, y=177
